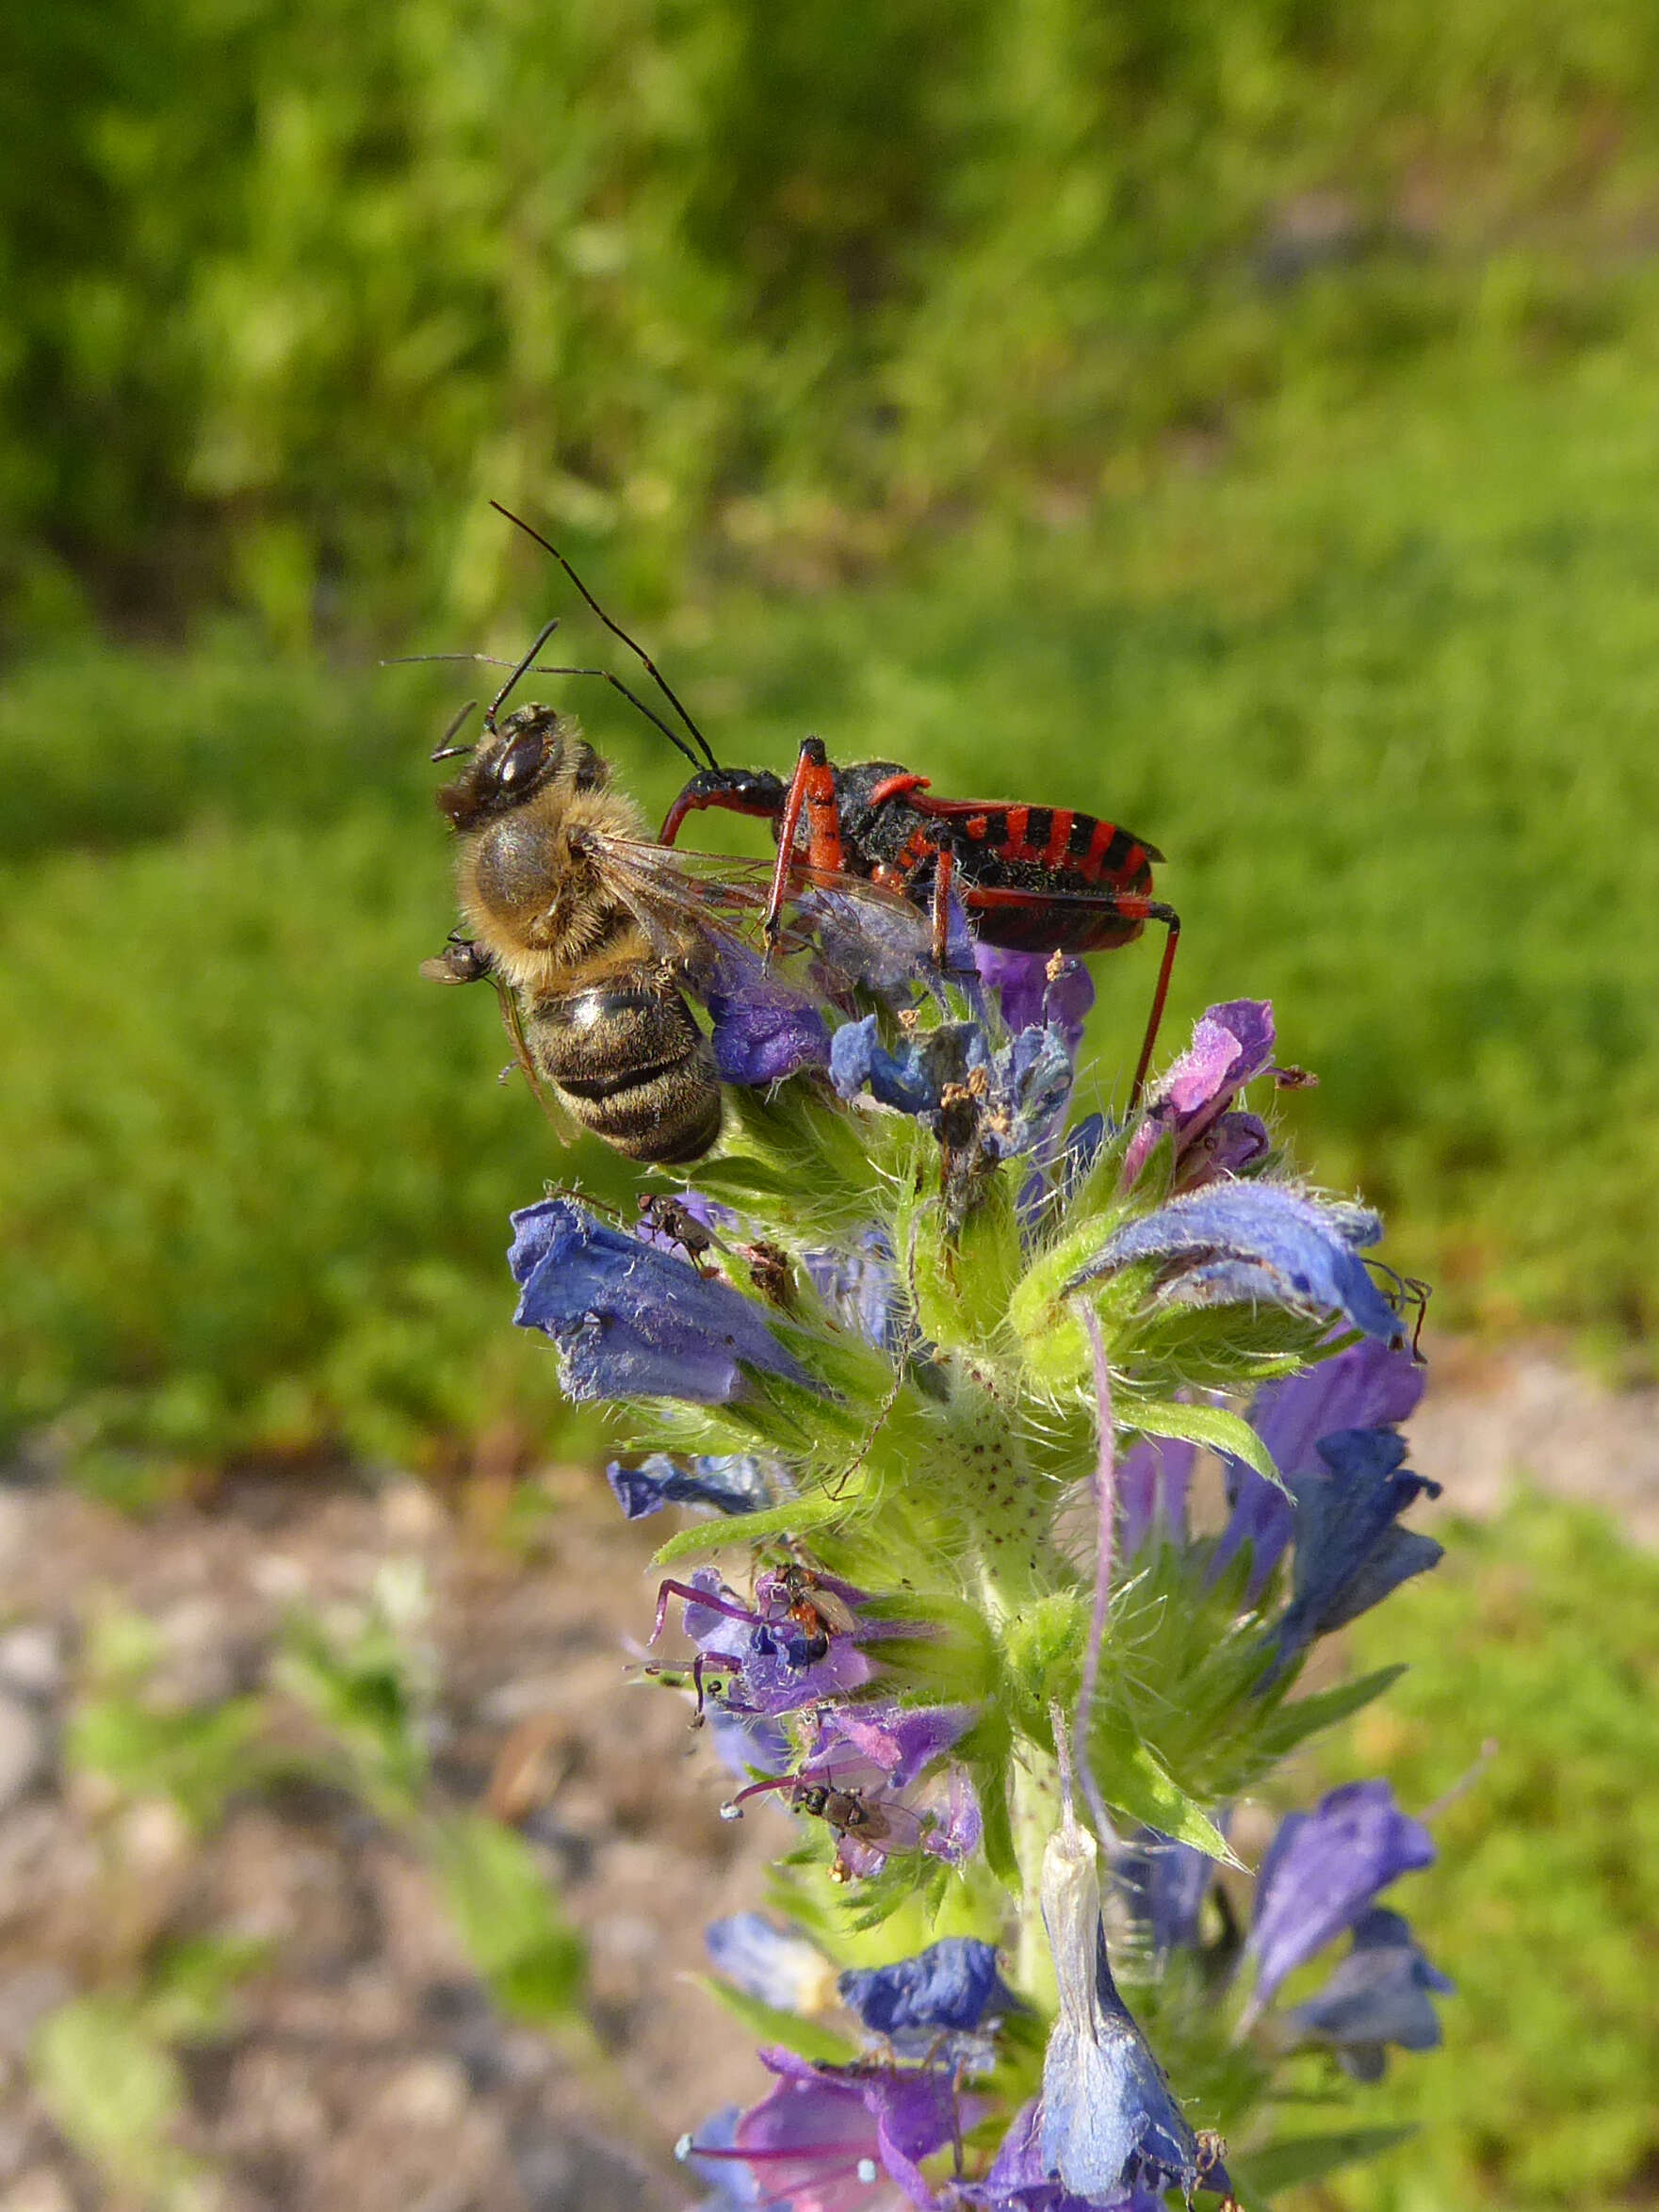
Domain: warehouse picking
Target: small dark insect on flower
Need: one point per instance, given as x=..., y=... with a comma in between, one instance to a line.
x=674, y=1221
x=847, y=1809
x=772, y=1271
x=816, y=1610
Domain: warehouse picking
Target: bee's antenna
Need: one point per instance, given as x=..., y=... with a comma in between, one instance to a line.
x=496, y=704
x=615, y=629
x=445, y=750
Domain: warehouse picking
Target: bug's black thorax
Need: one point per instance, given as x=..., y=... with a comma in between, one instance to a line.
x=876, y=830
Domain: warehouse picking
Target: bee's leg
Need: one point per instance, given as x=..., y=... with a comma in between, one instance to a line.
x=459, y=962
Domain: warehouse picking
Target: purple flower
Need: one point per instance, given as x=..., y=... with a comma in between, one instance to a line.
x=1153, y=1478
x=746, y=1744
x=1166, y=1883
x=771, y=1964
x=1246, y=1243
x=857, y=1284
x=1382, y=1992
x=1038, y=990
x=879, y=1775
x=1231, y=1045
x=712, y=2157
x=762, y=1031
x=911, y=1796
x=839, y=2138
x=761, y=1659
x=731, y=1483
x=904, y=1741
x=631, y=1321
x=1110, y=2120
x=1370, y=1385
x=953, y=1985
x=1350, y=1552
x=1322, y=1871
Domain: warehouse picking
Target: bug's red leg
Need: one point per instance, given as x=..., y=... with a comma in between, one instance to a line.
x=944, y=871
x=1171, y=922
x=789, y=823
x=812, y=788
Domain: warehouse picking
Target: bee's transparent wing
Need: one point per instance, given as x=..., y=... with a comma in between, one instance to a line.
x=704, y=913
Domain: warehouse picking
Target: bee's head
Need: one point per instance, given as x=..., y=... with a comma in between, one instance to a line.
x=516, y=759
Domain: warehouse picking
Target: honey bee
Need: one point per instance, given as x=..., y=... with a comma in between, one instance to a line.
x=598, y=937
x=603, y=1016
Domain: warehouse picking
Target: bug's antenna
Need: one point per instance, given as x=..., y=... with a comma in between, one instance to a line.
x=615, y=629
x=488, y=661
x=634, y=700
x=494, y=707
x=447, y=749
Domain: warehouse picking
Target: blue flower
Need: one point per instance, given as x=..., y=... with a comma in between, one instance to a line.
x=1246, y=1243
x=631, y=1321
x=1350, y=1553
x=762, y=1029
x=1020, y=1087
x=1016, y=2181
x=1381, y=1993
x=732, y=1483
x=953, y=1985
x=1370, y=1385
x=1110, y=2120
x=1322, y=1872
x=914, y=1079
x=770, y=1964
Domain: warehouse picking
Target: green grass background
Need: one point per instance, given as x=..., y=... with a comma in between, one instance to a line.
x=1386, y=690
x=1237, y=416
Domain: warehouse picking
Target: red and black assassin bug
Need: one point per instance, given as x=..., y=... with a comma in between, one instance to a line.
x=1030, y=879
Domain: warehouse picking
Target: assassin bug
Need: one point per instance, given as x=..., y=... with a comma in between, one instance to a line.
x=1030, y=879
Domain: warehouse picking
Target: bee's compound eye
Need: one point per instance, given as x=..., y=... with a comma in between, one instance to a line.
x=521, y=760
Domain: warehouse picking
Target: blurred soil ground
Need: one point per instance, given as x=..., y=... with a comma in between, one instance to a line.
x=367, y=2070
x=366, y=2067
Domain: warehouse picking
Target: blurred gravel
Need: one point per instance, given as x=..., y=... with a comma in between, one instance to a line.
x=367, y=2068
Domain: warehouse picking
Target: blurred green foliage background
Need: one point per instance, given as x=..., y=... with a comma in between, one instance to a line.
x=1236, y=416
